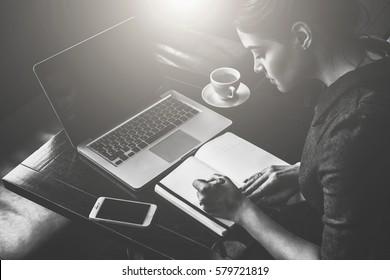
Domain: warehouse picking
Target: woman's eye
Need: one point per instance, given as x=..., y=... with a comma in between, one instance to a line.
x=258, y=55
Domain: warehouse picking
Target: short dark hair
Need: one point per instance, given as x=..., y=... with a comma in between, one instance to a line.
x=268, y=17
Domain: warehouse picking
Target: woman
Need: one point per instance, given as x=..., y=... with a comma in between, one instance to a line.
x=344, y=165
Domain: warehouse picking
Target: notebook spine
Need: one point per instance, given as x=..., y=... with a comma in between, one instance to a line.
x=219, y=229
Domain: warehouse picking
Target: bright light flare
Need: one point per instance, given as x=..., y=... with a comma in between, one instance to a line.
x=186, y=6
x=183, y=11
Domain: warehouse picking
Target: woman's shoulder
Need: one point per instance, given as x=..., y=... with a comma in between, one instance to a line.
x=370, y=95
x=365, y=105
x=360, y=115
x=365, y=90
x=373, y=101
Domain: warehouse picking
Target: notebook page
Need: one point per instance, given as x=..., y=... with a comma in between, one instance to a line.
x=180, y=181
x=235, y=157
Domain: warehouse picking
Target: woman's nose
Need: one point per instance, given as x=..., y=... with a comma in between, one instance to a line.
x=258, y=67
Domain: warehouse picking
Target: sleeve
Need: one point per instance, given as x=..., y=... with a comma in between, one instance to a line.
x=352, y=173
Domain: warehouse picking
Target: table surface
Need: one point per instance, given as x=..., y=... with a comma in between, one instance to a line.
x=56, y=178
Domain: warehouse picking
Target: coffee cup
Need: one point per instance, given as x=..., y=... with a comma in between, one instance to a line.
x=225, y=82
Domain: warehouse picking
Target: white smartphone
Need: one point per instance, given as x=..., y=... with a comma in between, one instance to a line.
x=124, y=212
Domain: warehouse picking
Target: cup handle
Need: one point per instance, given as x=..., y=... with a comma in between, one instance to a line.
x=232, y=92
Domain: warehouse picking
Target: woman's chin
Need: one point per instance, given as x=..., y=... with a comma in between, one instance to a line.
x=284, y=88
x=281, y=88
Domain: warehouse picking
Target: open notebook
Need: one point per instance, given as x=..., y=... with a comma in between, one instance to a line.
x=229, y=155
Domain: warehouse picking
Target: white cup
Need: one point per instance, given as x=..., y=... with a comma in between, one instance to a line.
x=225, y=82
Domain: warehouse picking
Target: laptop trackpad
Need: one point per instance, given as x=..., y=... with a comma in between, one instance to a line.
x=174, y=146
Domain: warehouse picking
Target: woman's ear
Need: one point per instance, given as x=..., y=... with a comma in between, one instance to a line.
x=302, y=33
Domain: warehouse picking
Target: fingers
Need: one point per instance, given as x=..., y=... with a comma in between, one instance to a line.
x=200, y=185
x=214, y=190
x=259, y=189
x=213, y=210
x=257, y=185
x=246, y=181
x=203, y=199
x=217, y=179
x=249, y=181
x=204, y=187
x=269, y=184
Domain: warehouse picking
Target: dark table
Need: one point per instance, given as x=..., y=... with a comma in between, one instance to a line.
x=55, y=177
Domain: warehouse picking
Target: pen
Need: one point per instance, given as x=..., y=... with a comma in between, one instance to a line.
x=216, y=181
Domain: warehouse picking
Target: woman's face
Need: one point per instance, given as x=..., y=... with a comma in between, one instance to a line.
x=283, y=63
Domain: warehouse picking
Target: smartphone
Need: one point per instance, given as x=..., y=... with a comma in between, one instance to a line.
x=124, y=212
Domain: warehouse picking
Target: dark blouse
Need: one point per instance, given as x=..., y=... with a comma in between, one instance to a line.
x=345, y=165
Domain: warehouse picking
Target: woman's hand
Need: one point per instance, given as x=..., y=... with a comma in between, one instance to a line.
x=273, y=186
x=222, y=199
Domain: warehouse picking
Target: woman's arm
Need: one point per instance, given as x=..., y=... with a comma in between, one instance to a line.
x=278, y=241
x=226, y=201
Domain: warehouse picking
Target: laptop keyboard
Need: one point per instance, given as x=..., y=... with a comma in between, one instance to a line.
x=143, y=130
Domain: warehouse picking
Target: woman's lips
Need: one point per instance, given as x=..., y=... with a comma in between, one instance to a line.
x=270, y=79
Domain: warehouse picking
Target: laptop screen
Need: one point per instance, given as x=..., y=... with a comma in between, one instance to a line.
x=101, y=82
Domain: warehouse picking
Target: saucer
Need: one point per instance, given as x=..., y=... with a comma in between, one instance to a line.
x=209, y=95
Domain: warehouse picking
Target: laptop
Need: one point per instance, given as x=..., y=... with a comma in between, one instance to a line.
x=111, y=98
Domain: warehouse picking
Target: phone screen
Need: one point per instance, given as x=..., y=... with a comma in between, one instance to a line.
x=123, y=211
